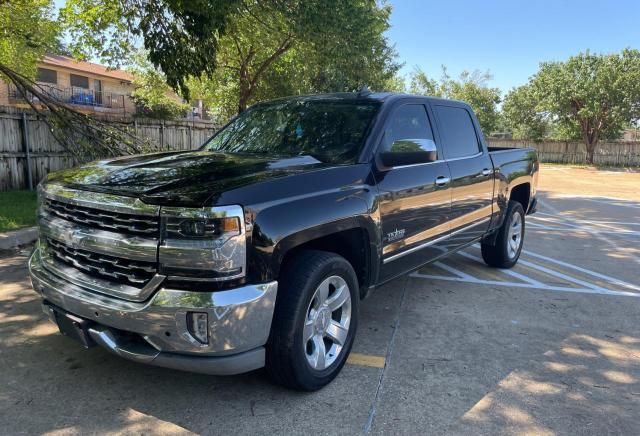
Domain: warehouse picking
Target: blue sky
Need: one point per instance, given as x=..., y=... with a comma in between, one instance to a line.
x=509, y=38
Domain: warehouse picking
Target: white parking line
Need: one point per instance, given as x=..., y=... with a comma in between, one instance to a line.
x=554, y=222
x=610, y=279
x=529, y=283
x=593, y=226
x=526, y=285
x=504, y=271
x=603, y=238
x=559, y=275
x=454, y=271
x=611, y=201
x=542, y=226
x=557, y=221
x=620, y=233
x=622, y=223
x=545, y=270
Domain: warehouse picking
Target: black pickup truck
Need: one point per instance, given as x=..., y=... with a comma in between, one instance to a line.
x=256, y=250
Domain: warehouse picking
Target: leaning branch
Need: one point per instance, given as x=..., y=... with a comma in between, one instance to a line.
x=82, y=136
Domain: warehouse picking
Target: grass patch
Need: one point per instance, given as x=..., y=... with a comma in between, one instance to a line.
x=17, y=210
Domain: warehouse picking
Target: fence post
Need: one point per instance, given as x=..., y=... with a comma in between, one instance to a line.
x=162, y=135
x=25, y=143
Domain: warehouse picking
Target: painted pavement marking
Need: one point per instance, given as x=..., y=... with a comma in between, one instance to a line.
x=524, y=281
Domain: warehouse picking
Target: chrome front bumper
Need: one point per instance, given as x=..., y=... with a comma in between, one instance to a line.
x=239, y=323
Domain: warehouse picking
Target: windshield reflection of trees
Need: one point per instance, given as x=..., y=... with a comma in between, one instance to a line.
x=329, y=131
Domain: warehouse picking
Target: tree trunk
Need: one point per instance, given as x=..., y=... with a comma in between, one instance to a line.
x=245, y=90
x=243, y=101
x=591, y=147
x=590, y=135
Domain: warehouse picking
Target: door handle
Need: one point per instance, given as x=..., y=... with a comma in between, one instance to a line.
x=486, y=172
x=442, y=180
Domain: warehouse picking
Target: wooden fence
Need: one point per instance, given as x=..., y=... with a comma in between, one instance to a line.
x=28, y=151
x=625, y=154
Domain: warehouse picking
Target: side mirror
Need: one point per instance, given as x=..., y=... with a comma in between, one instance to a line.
x=410, y=152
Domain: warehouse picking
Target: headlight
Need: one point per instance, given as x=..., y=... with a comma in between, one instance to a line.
x=205, y=244
x=202, y=228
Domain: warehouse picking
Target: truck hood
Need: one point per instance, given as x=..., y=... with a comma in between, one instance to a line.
x=191, y=179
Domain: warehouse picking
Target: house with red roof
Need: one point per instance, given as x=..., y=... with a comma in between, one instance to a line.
x=87, y=87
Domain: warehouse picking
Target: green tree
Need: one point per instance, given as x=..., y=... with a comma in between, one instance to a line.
x=395, y=83
x=422, y=84
x=181, y=37
x=590, y=96
x=151, y=94
x=470, y=87
x=27, y=31
x=522, y=117
x=308, y=46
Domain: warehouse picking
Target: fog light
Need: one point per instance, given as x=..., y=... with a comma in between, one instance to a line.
x=198, y=325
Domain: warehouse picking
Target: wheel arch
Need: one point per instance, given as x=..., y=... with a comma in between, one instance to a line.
x=522, y=194
x=348, y=238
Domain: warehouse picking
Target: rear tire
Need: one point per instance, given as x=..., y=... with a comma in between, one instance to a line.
x=315, y=320
x=508, y=245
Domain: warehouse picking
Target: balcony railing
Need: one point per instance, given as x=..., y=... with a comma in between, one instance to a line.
x=73, y=95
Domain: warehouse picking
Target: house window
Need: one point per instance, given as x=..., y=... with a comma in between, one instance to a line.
x=47, y=76
x=79, y=81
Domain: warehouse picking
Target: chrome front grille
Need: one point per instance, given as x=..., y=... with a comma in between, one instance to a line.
x=130, y=272
x=145, y=225
x=105, y=243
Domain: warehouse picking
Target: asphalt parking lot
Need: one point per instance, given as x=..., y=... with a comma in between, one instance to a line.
x=549, y=347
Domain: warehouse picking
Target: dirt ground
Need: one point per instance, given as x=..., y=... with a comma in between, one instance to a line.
x=615, y=183
x=549, y=347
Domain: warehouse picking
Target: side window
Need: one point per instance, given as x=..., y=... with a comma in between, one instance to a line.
x=407, y=122
x=79, y=81
x=47, y=76
x=458, y=132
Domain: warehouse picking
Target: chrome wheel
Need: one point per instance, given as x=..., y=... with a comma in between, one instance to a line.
x=514, y=239
x=327, y=322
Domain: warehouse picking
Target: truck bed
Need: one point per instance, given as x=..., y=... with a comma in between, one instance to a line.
x=502, y=156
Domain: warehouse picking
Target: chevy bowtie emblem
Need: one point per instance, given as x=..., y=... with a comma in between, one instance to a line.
x=76, y=238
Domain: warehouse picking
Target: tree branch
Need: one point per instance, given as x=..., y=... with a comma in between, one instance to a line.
x=284, y=46
x=84, y=137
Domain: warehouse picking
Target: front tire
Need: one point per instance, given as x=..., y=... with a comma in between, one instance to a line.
x=509, y=241
x=315, y=320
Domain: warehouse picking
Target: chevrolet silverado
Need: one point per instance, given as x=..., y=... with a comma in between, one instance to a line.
x=256, y=249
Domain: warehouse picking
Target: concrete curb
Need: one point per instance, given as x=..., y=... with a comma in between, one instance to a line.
x=10, y=240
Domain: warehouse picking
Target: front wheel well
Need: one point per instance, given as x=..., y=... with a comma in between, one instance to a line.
x=352, y=244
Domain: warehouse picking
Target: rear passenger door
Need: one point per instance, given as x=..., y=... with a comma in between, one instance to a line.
x=471, y=172
x=414, y=200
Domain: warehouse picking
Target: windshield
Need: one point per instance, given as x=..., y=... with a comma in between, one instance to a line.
x=329, y=131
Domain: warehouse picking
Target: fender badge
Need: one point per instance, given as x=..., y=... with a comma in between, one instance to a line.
x=396, y=234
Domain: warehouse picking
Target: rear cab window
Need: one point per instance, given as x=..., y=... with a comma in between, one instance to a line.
x=458, y=132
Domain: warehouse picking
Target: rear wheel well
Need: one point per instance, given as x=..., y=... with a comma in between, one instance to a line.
x=351, y=244
x=521, y=194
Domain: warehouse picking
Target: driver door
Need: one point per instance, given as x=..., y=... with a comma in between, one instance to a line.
x=414, y=200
